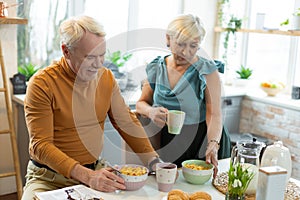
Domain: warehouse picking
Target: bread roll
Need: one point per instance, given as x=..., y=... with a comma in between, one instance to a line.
x=200, y=196
x=177, y=195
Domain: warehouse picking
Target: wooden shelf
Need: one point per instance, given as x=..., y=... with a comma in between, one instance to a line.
x=277, y=32
x=13, y=20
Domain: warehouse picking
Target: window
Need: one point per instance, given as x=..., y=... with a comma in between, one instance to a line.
x=38, y=42
x=272, y=57
x=136, y=27
x=122, y=20
x=113, y=14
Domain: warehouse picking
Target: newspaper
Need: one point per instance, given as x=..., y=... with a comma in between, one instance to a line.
x=76, y=192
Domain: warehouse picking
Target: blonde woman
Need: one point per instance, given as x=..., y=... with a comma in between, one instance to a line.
x=185, y=81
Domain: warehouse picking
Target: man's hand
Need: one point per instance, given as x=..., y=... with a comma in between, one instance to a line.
x=103, y=179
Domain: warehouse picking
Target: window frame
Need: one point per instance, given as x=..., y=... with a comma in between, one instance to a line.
x=294, y=48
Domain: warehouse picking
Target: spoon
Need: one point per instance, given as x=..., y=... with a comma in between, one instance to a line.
x=113, y=168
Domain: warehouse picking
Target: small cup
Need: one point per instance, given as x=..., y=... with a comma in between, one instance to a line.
x=175, y=121
x=165, y=176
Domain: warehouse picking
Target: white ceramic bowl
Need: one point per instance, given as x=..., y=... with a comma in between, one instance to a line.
x=197, y=176
x=133, y=182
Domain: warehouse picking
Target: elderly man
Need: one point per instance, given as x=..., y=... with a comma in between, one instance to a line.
x=66, y=106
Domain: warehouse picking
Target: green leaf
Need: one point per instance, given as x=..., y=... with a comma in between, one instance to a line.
x=244, y=73
x=238, y=172
x=286, y=22
x=118, y=58
x=297, y=12
x=28, y=70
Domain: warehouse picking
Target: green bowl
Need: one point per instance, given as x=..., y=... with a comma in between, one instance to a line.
x=197, y=177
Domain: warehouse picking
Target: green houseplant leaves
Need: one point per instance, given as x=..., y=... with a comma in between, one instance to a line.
x=233, y=25
x=244, y=73
x=28, y=70
x=118, y=58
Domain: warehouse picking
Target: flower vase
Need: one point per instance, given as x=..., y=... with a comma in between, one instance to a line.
x=234, y=197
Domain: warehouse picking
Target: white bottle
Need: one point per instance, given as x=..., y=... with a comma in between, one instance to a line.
x=278, y=155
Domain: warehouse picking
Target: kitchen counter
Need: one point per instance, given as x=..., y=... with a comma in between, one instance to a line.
x=282, y=100
x=133, y=93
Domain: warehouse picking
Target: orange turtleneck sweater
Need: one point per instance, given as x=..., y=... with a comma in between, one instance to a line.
x=65, y=118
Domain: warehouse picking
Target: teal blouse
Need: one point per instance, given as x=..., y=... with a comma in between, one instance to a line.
x=188, y=93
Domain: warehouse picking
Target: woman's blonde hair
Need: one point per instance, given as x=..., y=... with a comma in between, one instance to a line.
x=185, y=27
x=73, y=29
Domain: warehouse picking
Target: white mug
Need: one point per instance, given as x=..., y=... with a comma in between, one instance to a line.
x=165, y=176
x=175, y=121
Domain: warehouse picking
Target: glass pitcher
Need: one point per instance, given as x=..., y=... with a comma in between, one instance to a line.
x=247, y=152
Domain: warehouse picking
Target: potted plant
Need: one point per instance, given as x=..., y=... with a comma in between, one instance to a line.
x=233, y=25
x=116, y=60
x=243, y=76
x=28, y=70
x=239, y=178
x=244, y=73
x=295, y=21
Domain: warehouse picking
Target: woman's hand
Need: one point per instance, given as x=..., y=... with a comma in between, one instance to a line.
x=158, y=115
x=105, y=180
x=212, y=156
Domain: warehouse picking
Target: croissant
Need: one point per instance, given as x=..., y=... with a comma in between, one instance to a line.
x=200, y=196
x=177, y=195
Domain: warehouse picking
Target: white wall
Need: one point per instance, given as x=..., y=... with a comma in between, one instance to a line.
x=206, y=10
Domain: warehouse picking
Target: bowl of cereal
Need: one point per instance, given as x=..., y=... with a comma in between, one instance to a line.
x=197, y=171
x=135, y=176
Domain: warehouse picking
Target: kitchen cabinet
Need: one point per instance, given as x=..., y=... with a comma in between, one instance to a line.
x=22, y=135
x=114, y=145
x=231, y=108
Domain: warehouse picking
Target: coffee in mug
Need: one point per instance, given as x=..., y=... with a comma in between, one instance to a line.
x=166, y=174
